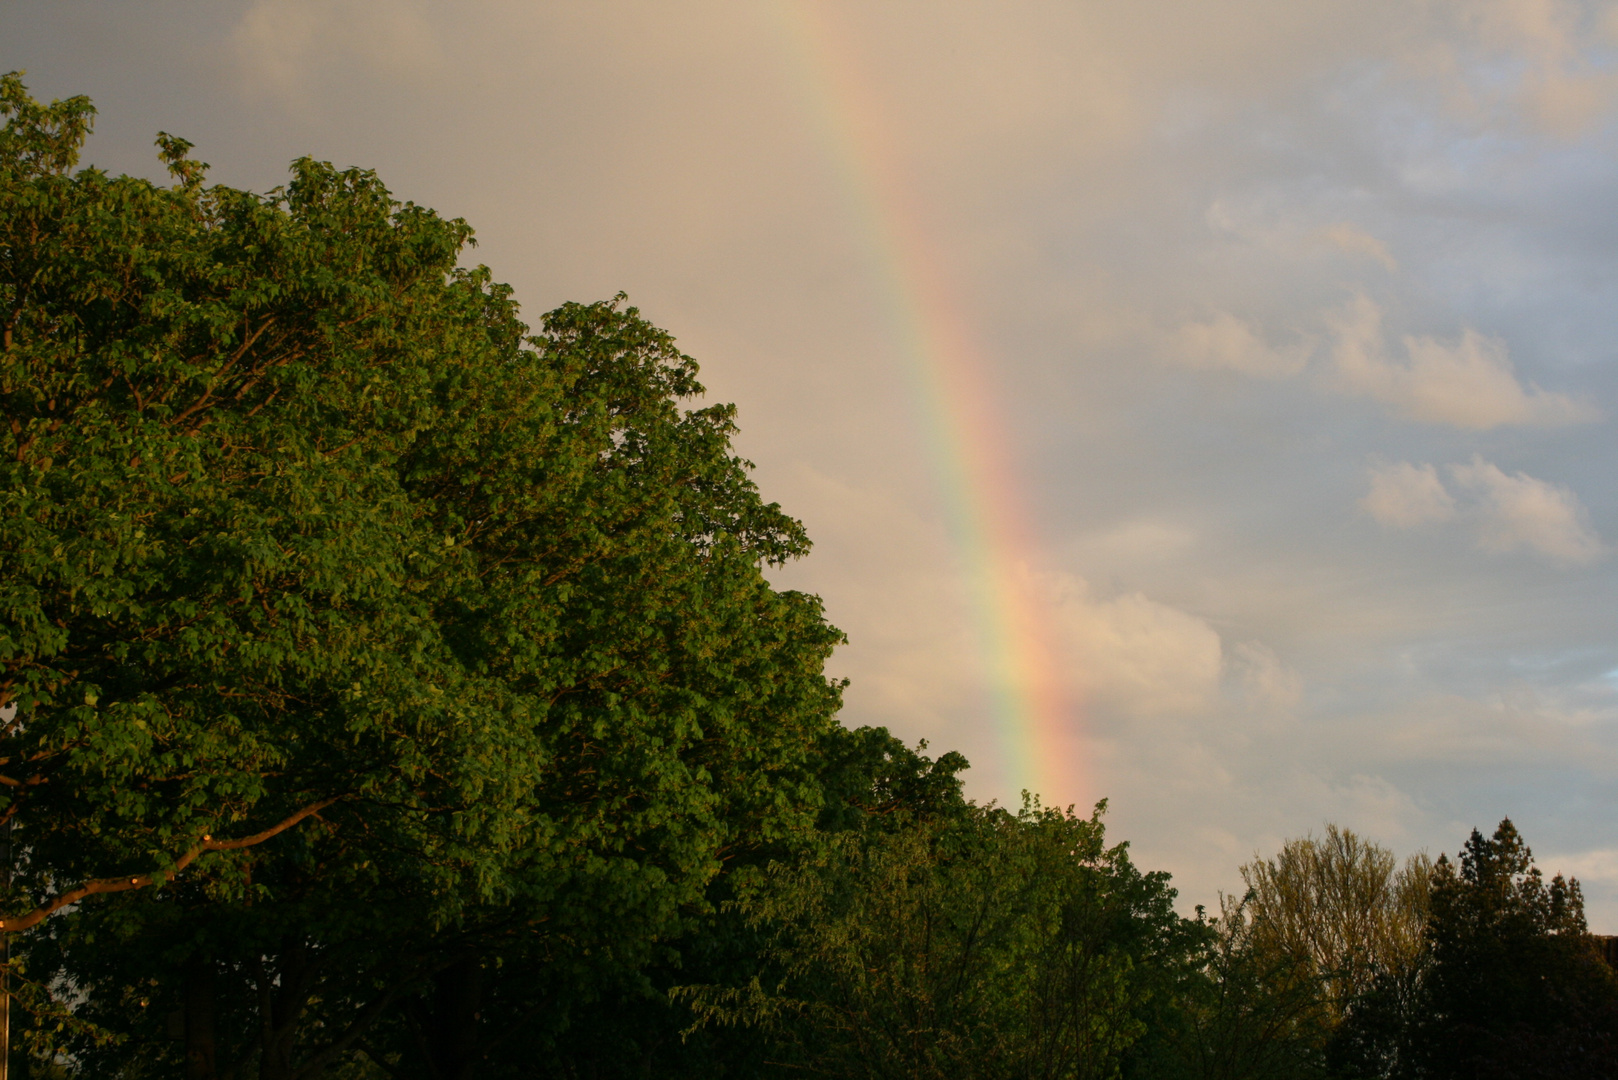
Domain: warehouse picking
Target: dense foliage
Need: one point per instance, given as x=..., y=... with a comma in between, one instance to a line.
x=977, y=943
x=335, y=597
x=392, y=691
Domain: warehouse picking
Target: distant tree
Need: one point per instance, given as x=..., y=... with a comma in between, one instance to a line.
x=1516, y=987
x=1341, y=905
x=1318, y=925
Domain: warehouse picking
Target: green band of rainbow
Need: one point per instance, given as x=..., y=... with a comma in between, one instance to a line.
x=965, y=442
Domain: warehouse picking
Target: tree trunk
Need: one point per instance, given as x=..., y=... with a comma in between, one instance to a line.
x=452, y=1037
x=200, y=1048
x=284, y=1004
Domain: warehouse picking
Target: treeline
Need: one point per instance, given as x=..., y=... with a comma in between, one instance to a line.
x=392, y=691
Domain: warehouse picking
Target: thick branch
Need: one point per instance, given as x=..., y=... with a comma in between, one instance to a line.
x=141, y=881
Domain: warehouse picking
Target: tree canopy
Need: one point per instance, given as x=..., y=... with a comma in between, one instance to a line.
x=329, y=586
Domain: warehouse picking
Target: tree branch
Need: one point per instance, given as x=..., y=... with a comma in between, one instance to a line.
x=61, y=900
x=351, y=1034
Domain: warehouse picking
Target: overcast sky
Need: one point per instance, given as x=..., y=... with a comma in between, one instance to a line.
x=1294, y=319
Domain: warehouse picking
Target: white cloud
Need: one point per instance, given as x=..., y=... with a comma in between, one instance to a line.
x=1517, y=511
x=279, y=43
x=1588, y=866
x=1266, y=682
x=1134, y=543
x=1597, y=874
x=1350, y=238
x=913, y=659
x=1467, y=384
x=1510, y=511
x=1234, y=345
x=1403, y=496
x=1140, y=656
x=1287, y=232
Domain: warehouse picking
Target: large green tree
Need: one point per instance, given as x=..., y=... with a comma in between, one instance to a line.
x=339, y=608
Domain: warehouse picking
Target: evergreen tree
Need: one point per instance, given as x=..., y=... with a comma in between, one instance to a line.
x=1516, y=988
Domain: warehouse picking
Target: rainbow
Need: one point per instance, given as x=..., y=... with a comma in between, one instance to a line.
x=965, y=442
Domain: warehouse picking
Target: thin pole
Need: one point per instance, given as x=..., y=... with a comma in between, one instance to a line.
x=7, y=714
x=5, y=973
